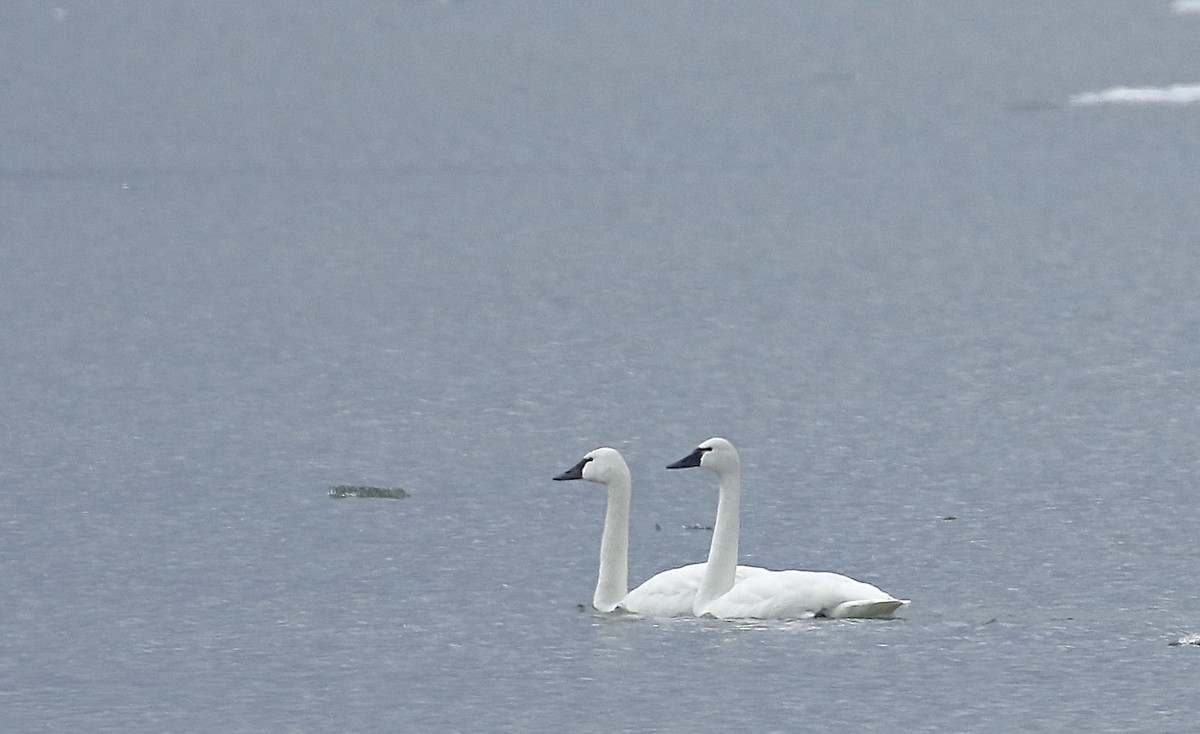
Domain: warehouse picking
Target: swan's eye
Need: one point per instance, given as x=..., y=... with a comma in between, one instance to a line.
x=705, y=448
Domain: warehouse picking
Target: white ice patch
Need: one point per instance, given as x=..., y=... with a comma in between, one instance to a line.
x=1174, y=94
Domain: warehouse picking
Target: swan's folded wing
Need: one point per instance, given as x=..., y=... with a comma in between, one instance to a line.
x=802, y=595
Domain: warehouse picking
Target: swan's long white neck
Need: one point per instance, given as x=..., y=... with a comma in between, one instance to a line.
x=613, y=584
x=723, y=554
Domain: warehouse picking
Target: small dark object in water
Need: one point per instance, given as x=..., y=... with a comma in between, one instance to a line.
x=1185, y=640
x=949, y=517
x=697, y=526
x=345, y=490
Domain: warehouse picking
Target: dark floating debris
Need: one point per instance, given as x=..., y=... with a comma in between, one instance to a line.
x=343, y=491
x=697, y=526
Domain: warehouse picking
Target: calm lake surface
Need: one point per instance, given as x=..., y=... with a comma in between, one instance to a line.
x=249, y=252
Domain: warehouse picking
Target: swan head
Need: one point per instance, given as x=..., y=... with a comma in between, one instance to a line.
x=716, y=454
x=602, y=465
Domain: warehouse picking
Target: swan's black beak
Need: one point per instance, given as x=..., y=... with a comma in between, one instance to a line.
x=687, y=462
x=575, y=472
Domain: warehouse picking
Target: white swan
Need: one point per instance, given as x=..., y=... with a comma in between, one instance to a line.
x=666, y=594
x=774, y=594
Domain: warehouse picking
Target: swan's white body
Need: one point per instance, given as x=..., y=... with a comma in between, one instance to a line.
x=670, y=593
x=771, y=594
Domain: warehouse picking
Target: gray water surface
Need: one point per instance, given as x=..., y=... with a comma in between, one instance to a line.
x=254, y=251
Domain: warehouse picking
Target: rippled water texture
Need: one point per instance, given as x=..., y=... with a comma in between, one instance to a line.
x=255, y=252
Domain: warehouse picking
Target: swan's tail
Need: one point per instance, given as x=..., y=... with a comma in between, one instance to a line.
x=868, y=608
